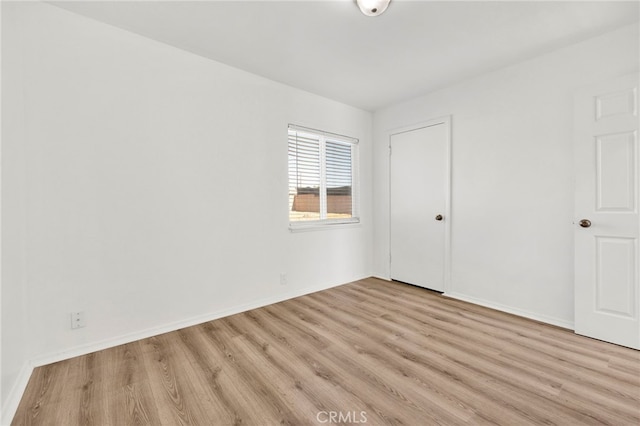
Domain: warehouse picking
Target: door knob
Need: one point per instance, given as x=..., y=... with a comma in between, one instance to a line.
x=585, y=223
x=439, y=217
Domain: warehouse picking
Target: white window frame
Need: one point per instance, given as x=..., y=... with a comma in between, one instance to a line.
x=324, y=222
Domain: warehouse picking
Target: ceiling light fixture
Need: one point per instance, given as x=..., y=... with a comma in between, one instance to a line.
x=373, y=7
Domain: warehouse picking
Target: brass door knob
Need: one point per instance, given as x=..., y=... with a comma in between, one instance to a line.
x=585, y=223
x=439, y=217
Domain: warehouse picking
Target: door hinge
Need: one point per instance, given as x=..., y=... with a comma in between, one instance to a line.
x=390, y=150
x=389, y=257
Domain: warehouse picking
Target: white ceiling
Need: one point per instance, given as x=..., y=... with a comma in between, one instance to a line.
x=331, y=49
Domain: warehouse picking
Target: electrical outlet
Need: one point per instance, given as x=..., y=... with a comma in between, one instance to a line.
x=283, y=279
x=77, y=320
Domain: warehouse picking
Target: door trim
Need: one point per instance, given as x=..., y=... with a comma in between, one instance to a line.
x=446, y=121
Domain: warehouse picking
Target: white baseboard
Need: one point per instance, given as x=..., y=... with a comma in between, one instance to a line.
x=521, y=313
x=504, y=308
x=15, y=394
x=381, y=277
x=166, y=328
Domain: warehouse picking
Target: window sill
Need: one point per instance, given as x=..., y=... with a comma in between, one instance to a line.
x=321, y=225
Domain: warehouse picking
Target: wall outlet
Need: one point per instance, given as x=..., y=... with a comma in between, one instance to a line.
x=77, y=320
x=283, y=279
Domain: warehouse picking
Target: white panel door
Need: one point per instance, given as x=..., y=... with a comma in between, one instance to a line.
x=419, y=168
x=607, y=224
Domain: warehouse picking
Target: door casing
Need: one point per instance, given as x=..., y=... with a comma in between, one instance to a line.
x=446, y=121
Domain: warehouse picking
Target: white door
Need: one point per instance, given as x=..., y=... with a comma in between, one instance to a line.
x=607, y=297
x=419, y=188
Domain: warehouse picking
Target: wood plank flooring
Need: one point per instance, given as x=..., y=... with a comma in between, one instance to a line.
x=370, y=352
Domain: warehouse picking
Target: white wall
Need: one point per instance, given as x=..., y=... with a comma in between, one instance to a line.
x=512, y=189
x=13, y=342
x=155, y=186
x=146, y=186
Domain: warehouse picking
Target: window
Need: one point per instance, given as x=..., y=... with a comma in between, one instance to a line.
x=322, y=178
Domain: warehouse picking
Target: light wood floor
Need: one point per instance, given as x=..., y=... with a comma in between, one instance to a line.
x=385, y=352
